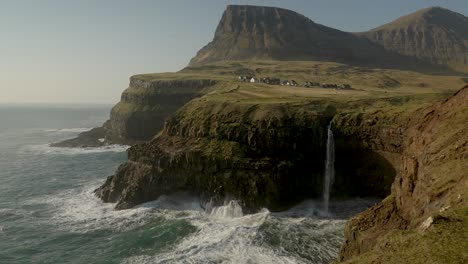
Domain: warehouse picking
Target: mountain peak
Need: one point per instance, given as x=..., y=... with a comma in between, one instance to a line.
x=435, y=34
x=248, y=32
x=431, y=15
x=260, y=19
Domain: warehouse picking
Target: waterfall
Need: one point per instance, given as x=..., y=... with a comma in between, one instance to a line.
x=329, y=168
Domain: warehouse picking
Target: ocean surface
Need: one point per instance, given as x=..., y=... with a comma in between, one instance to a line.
x=48, y=213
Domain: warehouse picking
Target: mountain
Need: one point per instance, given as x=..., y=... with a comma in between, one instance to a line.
x=434, y=35
x=256, y=32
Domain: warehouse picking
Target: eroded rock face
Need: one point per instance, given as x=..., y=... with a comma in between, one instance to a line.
x=431, y=181
x=265, y=157
x=368, y=151
x=145, y=106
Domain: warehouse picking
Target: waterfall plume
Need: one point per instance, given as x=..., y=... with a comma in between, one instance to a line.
x=329, y=168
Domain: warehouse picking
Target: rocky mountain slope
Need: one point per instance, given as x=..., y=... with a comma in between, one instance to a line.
x=434, y=35
x=257, y=32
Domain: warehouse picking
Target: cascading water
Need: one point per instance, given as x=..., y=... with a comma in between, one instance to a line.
x=329, y=168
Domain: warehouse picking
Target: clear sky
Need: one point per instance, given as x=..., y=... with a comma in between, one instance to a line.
x=69, y=51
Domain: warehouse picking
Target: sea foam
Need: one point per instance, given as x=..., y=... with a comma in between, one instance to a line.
x=47, y=149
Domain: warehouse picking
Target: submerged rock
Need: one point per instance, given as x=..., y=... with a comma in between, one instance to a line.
x=92, y=138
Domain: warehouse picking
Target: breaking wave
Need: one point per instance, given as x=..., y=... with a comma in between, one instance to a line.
x=47, y=149
x=223, y=234
x=68, y=130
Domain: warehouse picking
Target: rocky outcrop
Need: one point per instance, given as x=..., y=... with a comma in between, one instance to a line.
x=425, y=218
x=146, y=104
x=92, y=138
x=142, y=110
x=265, y=156
x=257, y=32
x=435, y=35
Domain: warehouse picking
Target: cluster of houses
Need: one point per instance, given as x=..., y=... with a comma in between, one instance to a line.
x=277, y=81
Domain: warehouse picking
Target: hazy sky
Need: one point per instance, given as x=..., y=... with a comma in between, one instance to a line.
x=70, y=51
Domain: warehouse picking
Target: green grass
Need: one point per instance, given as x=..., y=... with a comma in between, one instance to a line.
x=395, y=86
x=445, y=241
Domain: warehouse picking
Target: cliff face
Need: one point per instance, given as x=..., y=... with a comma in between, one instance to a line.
x=435, y=35
x=368, y=149
x=260, y=156
x=265, y=155
x=425, y=217
x=146, y=104
x=142, y=111
x=256, y=32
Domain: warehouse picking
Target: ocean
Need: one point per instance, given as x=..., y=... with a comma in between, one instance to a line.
x=49, y=214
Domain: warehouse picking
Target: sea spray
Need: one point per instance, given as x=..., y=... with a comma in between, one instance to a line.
x=329, y=168
x=231, y=209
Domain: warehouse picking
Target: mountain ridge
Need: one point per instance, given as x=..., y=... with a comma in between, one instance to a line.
x=258, y=32
x=435, y=35
x=248, y=32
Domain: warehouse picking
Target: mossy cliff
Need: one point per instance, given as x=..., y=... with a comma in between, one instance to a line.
x=264, y=155
x=425, y=219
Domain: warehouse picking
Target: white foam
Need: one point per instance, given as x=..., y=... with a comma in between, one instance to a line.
x=231, y=209
x=222, y=238
x=81, y=211
x=227, y=236
x=68, y=130
x=224, y=234
x=47, y=149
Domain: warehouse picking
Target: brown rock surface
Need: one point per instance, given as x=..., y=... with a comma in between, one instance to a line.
x=432, y=184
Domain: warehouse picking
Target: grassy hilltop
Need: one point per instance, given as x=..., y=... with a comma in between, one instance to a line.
x=371, y=87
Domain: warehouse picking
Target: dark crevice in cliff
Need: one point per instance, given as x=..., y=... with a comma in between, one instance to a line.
x=360, y=171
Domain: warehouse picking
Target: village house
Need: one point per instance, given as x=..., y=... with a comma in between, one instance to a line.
x=289, y=83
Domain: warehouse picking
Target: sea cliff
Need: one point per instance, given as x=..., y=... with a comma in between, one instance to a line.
x=262, y=154
x=143, y=108
x=425, y=217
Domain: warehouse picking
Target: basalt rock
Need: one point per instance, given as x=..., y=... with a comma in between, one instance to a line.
x=92, y=138
x=262, y=156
